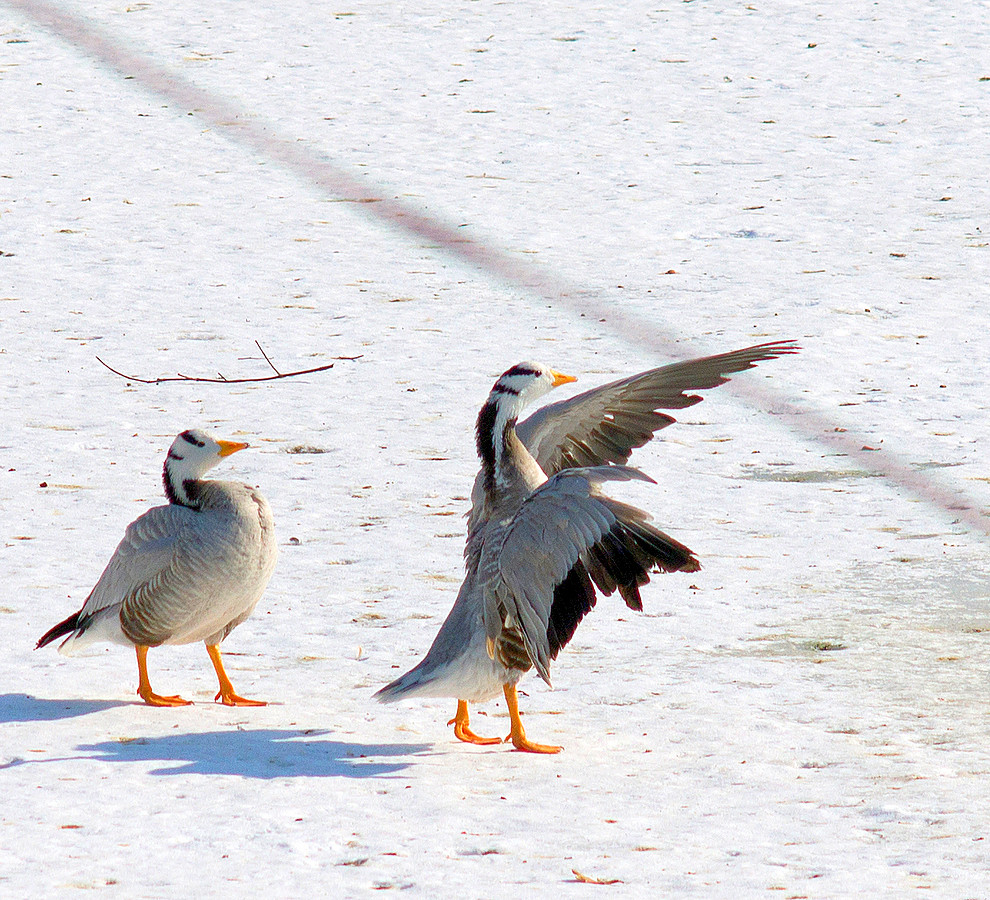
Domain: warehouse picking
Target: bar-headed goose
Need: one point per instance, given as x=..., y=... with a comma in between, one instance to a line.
x=542, y=536
x=189, y=571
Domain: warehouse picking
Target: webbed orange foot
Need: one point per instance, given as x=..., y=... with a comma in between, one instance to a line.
x=521, y=742
x=463, y=732
x=518, y=733
x=153, y=699
x=232, y=699
x=144, y=690
x=226, y=693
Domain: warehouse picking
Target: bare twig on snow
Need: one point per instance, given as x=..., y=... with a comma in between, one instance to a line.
x=220, y=379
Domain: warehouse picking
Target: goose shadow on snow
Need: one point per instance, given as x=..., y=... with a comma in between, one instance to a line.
x=252, y=753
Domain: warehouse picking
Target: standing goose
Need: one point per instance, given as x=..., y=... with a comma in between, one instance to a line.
x=542, y=537
x=189, y=571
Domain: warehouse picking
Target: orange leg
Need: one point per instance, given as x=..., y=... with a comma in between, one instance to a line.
x=461, y=730
x=518, y=734
x=144, y=685
x=226, y=693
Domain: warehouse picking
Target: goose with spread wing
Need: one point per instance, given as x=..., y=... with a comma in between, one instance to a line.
x=189, y=571
x=543, y=537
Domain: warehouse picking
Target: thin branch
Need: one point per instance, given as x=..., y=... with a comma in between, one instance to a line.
x=220, y=379
x=265, y=355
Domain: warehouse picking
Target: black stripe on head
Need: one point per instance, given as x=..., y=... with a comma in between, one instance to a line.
x=173, y=455
x=522, y=369
x=189, y=438
x=500, y=388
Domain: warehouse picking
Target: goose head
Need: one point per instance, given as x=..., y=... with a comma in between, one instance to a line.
x=192, y=454
x=512, y=392
x=525, y=382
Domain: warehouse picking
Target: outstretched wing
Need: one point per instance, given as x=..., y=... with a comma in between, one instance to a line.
x=605, y=424
x=564, y=529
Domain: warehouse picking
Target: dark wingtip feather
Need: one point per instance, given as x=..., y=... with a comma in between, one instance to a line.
x=573, y=599
x=630, y=593
x=625, y=556
x=67, y=626
x=778, y=348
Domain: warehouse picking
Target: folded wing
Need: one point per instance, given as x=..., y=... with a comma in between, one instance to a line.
x=147, y=550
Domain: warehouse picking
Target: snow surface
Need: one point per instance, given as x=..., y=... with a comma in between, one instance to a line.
x=806, y=717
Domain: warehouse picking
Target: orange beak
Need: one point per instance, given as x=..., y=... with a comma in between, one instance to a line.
x=559, y=378
x=228, y=447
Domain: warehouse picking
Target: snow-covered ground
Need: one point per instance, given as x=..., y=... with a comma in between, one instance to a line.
x=808, y=716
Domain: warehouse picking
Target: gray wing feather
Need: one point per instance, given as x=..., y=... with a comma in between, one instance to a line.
x=527, y=556
x=175, y=595
x=146, y=552
x=605, y=424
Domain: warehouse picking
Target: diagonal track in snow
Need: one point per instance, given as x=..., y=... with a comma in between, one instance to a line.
x=494, y=262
